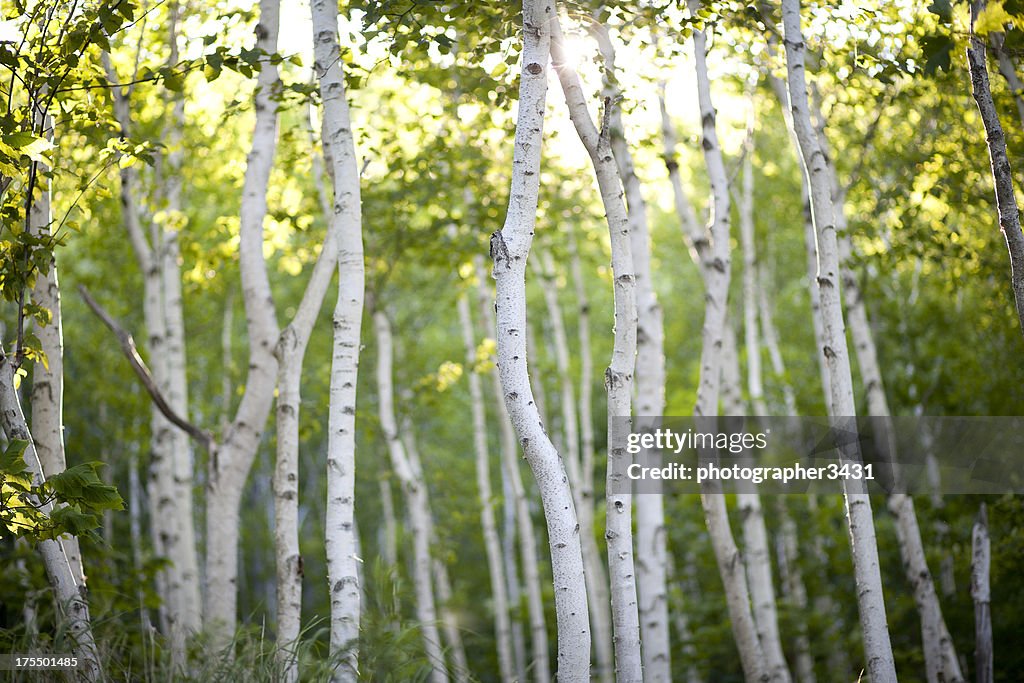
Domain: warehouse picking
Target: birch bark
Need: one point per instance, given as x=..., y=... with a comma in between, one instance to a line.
x=597, y=596
x=416, y=502
x=492, y=543
x=48, y=379
x=339, y=147
x=712, y=251
x=651, y=581
x=510, y=248
x=1006, y=200
x=756, y=557
x=230, y=463
x=68, y=592
x=619, y=374
x=597, y=577
x=878, y=649
x=438, y=569
x=793, y=587
x=176, y=391
x=524, y=523
x=981, y=559
x=170, y=457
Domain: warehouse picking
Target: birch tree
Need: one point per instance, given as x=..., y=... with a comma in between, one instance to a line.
x=488, y=521
x=171, y=509
x=1002, y=176
x=417, y=504
x=69, y=593
x=711, y=249
x=346, y=219
x=597, y=577
x=521, y=509
x=600, y=620
x=510, y=248
x=878, y=649
x=981, y=594
x=651, y=534
x=619, y=375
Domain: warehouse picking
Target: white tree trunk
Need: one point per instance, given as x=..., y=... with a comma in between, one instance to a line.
x=755, y=377
x=48, y=379
x=651, y=535
x=184, y=550
x=346, y=221
x=619, y=374
x=771, y=341
x=510, y=468
x=793, y=587
x=712, y=252
x=68, y=593
x=597, y=577
x=981, y=559
x=492, y=543
x=756, y=556
x=416, y=502
x=439, y=570
x=877, y=647
x=510, y=248
x=597, y=595
x=170, y=470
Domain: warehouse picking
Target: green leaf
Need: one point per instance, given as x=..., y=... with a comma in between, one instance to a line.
x=13, y=459
x=28, y=144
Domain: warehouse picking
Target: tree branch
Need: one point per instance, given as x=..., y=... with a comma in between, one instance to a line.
x=127, y=343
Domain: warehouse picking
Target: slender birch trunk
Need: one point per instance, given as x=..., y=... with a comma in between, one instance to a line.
x=389, y=523
x=755, y=533
x=878, y=649
x=135, y=505
x=184, y=551
x=771, y=341
x=751, y=332
x=597, y=595
x=681, y=621
x=416, y=502
x=510, y=468
x=619, y=375
x=492, y=543
x=290, y=352
x=339, y=148
x=48, y=379
x=1002, y=176
x=712, y=250
x=651, y=582
x=793, y=587
x=597, y=578
x=981, y=559
x=68, y=592
x=756, y=557
x=170, y=458
x=439, y=570
x=510, y=248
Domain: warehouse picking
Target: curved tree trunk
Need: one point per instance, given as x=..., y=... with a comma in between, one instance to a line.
x=597, y=595
x=523, y=520
x=492, y=543
x=68, y=592
x=619, y=375
x=651, y=535
x=878, y=649
x=510, y=248
x=597, y=577
x=416, y=502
